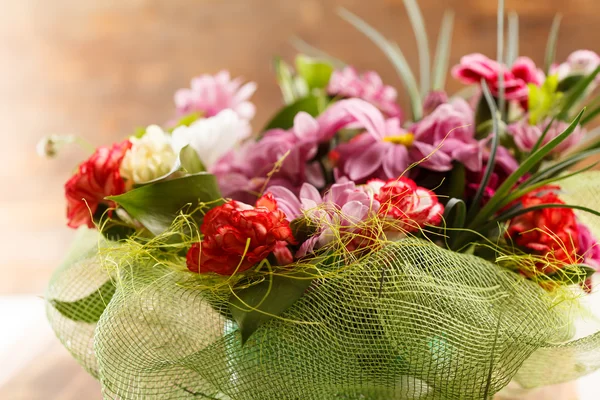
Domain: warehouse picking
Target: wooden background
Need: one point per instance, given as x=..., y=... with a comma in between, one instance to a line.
x=99, y=69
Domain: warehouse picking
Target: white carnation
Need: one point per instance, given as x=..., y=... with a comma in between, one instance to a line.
x=150, y=156
x=212, y=137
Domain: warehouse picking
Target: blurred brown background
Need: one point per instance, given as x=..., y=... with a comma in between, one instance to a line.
x=99, y=69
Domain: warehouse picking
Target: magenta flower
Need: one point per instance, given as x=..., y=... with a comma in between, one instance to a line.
x=589, y=248
x=342, y=209
x=526, y=136
x=589, y=251
x=525, y=69
x=475, y=67
x=211, y=94
x=386, y=150
x=348, y=83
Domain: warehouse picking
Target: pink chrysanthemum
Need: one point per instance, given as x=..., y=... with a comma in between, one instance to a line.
x=368, y=86
x=210, y=94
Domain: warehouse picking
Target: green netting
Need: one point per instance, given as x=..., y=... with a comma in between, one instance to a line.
x=411, y=321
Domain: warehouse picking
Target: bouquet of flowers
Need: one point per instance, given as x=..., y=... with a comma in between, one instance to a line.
x=347, y=250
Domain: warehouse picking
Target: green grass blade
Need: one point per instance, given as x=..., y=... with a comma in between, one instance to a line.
x=539, y=142
x=492, y=157
x=519, y=211
x=536, y=185
x=551, y=43
x=512, y=49
x=459, y=206
x=590, y=116
x=455, y=214
x=576, y=92
x=442, y=52
x=500, y=54
x=559, y=167
x=394, y=55
x=418, y=25
x=284, y=77
x=312, y=51
x=527, y=165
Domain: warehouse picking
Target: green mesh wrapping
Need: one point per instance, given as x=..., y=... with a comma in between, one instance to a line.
x=411, y=321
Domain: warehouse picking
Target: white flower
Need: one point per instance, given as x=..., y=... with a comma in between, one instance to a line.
x=212, y=137
x=580, y=62
x=50, y=145
x=150, y=156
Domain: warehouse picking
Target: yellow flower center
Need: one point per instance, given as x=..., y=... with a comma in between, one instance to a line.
x=405, y=139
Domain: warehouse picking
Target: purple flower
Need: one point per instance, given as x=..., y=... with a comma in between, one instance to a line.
x=449, y=135
x=277, y=159
x=386, y=150
x=341, y=209
x=286, y=158
x=526, y=136
x=433, y=100
x=211, y=94
x=348, y=83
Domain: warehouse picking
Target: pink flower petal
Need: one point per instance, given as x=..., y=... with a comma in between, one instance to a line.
x=395, y=161
x=367, y=162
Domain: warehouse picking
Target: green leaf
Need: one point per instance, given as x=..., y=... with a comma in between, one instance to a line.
x=285, y=118
x=316, y=73
x=396, y=57
x=255, y=305
x=568, y=83
x=551, y=43
x=190, y=161
x=156, y=205
x=88, y=309
x=418, y=26
x=442, y=51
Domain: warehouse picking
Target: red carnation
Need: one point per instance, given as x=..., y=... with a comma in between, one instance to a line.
x=238, y=236
x=406, y=203
x=95, y=179
x=549, y=232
